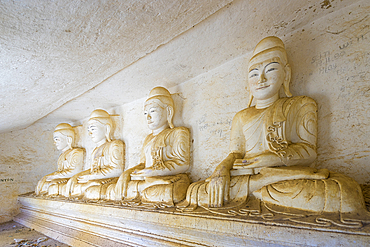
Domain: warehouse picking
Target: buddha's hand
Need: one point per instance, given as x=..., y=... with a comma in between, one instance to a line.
x=50, y=178
x=264, y=160
x=122, y=184
x=218, y=187
x=83, y=179
x=147, y=172
x=123, y=180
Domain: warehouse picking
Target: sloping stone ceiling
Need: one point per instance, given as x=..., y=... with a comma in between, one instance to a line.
x=54, y=51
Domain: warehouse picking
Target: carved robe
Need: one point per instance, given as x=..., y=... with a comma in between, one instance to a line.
x=70, y=163
x=108, y=163
x=288, y=129
x=165, y=151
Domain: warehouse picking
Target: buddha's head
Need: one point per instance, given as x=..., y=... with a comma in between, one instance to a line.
x=63, y=136
x=158, y=109
x=268, y=70
x=99, y=126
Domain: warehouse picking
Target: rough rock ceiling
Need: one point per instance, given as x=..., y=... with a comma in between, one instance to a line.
x=54, y=51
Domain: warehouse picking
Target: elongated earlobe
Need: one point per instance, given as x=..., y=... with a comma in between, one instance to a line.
x=170, y=116
x=288, y=74
x=107, y=133
x=69, y=141
x=250, y=100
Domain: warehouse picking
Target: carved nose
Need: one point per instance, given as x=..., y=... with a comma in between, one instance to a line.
x=148, y=117
x=262, y=78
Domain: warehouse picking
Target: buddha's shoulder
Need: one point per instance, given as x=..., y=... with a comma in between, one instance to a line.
x=299, y=101
x=303, y=99
x=115, y=144
x=246, y=113
x=179, y=131
x=77, y=151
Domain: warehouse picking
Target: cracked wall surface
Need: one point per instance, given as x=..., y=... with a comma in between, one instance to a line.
x=54, y=51
x=327, y=45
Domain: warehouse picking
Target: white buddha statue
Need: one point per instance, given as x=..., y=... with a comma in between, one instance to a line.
x=272, y=145
x=107, y=160
x=70, y=162
x=160, y=175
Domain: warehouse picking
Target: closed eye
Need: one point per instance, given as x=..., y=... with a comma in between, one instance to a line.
x=270, y=69
x=253, y=75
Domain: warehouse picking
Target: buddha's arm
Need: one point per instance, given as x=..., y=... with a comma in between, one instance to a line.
x=71, y=166
x=109, y=165
x=219, y=181
x=295, y=154
x=124, y=179
x=175, y=155
x=300, y=149
x=302, y=125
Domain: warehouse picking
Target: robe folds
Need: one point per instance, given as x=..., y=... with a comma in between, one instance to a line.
x=70, y=163
x=166, y=151
x=107, y=162
x=288, y=129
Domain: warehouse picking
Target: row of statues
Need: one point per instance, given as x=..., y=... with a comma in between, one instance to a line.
x=159, y=177
x=272, y=145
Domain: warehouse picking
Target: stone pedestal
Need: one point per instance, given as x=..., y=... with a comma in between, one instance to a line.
x=84, y=224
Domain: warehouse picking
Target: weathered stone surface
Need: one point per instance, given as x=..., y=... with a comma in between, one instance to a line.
x=52, y=52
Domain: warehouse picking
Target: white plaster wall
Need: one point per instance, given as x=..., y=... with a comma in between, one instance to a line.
x=29, y=154
x=330, y=58
x=328, y=49
x=25, y=157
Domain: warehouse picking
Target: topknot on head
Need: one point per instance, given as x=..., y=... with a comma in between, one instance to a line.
x=161, y=94
x=159, y=91
x=269, y=44
x=63, y=126
x=99, y=113
x=101, y=116
x=65, y=129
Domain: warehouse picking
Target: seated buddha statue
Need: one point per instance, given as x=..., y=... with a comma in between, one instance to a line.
x=272, y=145
x=70, y=162
x=107, y=160
x=160, y=175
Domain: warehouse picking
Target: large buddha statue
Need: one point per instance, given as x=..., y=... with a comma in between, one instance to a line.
x=272, y=145
x=107, y=160
x=160, y=175
x=70, y=162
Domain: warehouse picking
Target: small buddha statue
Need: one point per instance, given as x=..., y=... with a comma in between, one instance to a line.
x=160, y=175
x=107, y=160
x=70, y=162
x=272, y=145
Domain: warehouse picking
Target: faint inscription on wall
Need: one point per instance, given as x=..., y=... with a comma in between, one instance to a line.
x=332, y=61
x=5, y=180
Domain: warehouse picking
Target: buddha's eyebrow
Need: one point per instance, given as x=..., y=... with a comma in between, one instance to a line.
x=270, y=63
x=252, y=70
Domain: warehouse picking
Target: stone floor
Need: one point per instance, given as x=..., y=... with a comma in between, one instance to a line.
x=13, y=234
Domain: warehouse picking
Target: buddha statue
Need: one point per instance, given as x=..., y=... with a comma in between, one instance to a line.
x=272, y=145
x=70, y=162
x=107, y=160
x=160, y=175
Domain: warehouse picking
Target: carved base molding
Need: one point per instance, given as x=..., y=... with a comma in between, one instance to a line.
x=81, y=224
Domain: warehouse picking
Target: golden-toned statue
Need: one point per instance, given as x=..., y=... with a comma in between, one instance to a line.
x=272, y=145
x=160, y=176
x=107, y=160
x=70, y=162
